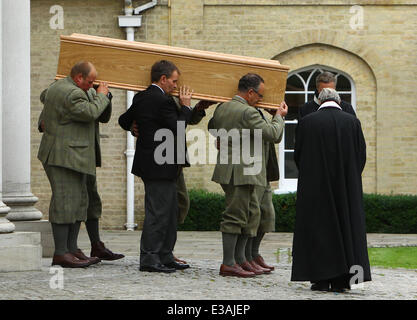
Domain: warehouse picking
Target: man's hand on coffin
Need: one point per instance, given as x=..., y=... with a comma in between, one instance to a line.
x=282, y=110
x=203, y=104
x=185, y=96
x=103, y=88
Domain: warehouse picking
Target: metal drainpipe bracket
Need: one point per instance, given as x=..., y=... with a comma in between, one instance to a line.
x=130, y=21
x=146, y=6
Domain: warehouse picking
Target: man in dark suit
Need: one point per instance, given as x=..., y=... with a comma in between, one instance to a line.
x=159, y=163
x=197, y=115
x=323, y=80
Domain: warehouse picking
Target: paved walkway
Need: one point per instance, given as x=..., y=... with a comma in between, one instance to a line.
x=122, y=280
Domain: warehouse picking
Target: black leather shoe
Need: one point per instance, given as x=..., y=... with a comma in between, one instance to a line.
x=337, y=289
x=177, y=266
x=157, y=268
x=320, y=286
x=340, y=284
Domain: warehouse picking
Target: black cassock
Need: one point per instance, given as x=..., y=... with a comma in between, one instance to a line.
x=330, y=232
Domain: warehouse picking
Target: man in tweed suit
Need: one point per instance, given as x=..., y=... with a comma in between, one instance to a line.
x=266, y=206
x=241, y=217
x=69, y=152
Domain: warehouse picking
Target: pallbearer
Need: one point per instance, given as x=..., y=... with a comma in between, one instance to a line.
x=70, y=152
x=238, y=179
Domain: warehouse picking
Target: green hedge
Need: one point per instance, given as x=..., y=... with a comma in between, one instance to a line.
x=384, y=213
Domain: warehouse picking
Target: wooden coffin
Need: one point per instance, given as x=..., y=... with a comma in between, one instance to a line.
x=213, y=76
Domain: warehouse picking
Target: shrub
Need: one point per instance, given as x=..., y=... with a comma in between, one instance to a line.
x=384, y=213
x=205, y=211
x=390, y=213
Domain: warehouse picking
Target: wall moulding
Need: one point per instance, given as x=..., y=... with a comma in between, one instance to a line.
x=310, y=3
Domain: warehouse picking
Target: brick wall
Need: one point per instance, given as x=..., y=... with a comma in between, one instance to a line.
x=381, y=59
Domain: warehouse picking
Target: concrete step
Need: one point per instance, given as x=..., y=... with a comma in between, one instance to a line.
x=20, y=251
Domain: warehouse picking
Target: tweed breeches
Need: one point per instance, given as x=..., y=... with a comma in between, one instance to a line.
x=242, y=214
x=267, y=220
x=94, y=201
x=69, y=200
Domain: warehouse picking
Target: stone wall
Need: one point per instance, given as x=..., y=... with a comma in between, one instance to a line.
x=380, y=57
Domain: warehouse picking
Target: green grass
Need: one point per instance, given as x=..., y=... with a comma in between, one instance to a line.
x=398, y=257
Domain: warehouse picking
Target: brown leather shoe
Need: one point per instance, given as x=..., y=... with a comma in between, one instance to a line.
x=80, y=255
x=68, y=260
x=235, y=271
x=248, y=267
x=179, y=260
x=100, y=251
x=259, y=260
x=257, y=266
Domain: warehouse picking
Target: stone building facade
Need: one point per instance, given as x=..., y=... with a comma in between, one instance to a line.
x=373, y=44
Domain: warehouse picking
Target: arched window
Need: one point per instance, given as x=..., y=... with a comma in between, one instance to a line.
x=301, y=85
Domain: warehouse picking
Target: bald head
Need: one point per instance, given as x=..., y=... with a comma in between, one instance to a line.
x=84, y=68
x=84, y=74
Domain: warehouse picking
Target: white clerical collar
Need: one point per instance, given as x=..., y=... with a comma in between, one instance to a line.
x=316, y=100
x=330, y=104
x=158, y=87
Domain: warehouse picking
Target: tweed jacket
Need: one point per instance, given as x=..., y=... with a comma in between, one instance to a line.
x=71, y=117
x=272, y=168
x=237, y=114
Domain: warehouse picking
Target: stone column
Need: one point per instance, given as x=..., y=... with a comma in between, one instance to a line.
x=16, y=112
x=19, y=251
x=5, y=225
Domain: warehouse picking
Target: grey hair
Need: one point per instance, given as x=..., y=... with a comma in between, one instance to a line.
x=329, y=94
x=250, y=81
x=325, y=77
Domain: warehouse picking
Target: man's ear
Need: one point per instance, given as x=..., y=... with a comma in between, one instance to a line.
x=78, y=78
x=163, y=79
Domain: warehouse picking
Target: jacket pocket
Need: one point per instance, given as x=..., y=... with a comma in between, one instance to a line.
x=78, y=144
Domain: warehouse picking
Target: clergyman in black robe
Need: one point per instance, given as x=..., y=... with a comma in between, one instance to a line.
x=324, y=80
x=329, y=244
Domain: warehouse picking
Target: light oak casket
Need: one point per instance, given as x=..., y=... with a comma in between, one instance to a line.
x=213, y=76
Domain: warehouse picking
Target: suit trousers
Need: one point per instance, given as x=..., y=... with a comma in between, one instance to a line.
x=159, y=232
x=183, y=198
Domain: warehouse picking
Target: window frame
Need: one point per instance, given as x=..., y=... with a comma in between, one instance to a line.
x=289, y=185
